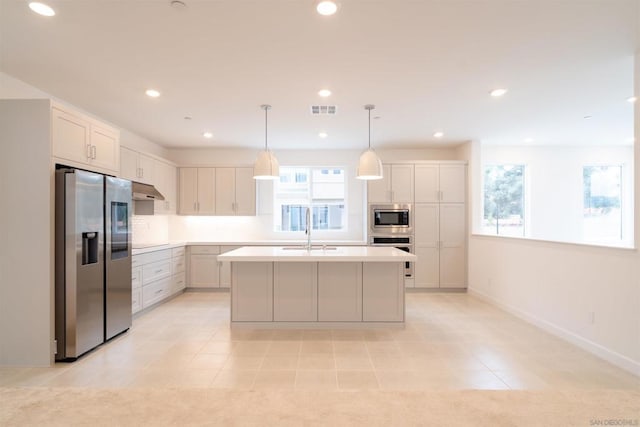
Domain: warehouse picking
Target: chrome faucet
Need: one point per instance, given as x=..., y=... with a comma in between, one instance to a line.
x=307, y=231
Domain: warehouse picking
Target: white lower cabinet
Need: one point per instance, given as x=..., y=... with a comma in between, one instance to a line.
x=340, y=291
x=203, y=266
x=156, y=276
x=295, y=292
x=252, y=292
x=381, y=302
x=178, y=270
x=317, y=292
x=440, y=245
x=136, y=289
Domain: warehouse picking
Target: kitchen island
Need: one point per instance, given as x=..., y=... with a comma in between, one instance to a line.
x=297, y=287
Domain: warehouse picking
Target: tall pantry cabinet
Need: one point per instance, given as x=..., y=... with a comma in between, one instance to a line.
x=440, y=225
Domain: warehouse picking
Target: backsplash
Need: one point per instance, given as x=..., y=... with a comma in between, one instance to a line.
x=150, y=229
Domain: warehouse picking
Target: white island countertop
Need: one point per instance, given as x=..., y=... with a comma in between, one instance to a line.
x=318, y=254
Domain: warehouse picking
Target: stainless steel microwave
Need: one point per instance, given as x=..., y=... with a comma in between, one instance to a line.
x=391, y=219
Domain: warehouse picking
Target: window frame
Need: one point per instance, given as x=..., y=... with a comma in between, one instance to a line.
x=525, y=205
x=310, y=201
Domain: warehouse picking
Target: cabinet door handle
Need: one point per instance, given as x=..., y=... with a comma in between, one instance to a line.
x=88, y=151
x=158, y=271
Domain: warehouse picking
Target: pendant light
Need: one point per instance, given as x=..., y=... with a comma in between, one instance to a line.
x=266, y=165
x=369, y=166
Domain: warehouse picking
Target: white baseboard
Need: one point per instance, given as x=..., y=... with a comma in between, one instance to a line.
x=610, y=356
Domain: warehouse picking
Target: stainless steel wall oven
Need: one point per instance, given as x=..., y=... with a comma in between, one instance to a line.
x=404, y=243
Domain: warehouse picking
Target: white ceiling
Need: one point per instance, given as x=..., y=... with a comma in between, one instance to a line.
x=427, y=65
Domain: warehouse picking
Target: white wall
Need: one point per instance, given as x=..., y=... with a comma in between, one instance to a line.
x=557, y=286
x=554, y=187
x=26, y=233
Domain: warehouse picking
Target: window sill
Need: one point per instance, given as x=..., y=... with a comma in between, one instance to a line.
x=559, y=242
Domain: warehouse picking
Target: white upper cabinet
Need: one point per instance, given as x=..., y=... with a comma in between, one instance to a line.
x=136, y=166
x=197, y=191
x=188, y=191
x=80, y=141
x=396, y=186
x=441, y=183
x=427, y=183
x=104, y=144
x=217, y=191
x=128, y=164
x=225, y=191
x=70, y=136
x=453, y=180
x=245, y=192
x=402, y=183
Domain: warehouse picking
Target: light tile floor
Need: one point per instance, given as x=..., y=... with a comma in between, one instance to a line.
x=450, y=342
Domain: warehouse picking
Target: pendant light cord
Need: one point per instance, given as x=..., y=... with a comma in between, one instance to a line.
x=369, y=129
x=266, y=110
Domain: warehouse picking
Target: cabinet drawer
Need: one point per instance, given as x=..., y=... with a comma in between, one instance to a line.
x=136, y=261
x=177, y=252
x=136, y=277
x=177, y=265
x=156, y=291
x=205, y=249
x=154, y=256
x=155, y=270
x=178, y=282
x=136, y=300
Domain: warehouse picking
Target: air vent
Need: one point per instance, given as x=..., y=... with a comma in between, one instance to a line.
x=323, y=110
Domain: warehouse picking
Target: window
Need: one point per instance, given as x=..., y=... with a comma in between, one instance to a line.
x=320, y=189
x=602, y=213
x=504, y=200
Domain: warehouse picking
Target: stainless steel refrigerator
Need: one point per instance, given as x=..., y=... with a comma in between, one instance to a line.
x=93, y=260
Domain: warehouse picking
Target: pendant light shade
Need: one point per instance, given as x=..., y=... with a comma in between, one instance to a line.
x=266, y=165
x=370, y=165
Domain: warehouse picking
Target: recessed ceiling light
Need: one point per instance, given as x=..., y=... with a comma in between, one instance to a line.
x=632, y=99
x=207, y=135
x=529, y=140
x=152, y=93
x=497, y=92
x=41, y=9
x=323, y=135
x=327, y=8
x=438, y=134
x=324, y=93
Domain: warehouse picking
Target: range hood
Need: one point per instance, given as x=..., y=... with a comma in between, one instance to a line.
x=143, y=196
x=145, y=192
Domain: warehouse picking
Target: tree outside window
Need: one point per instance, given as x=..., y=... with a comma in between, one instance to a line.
x=504, y=200
x=602, y=213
